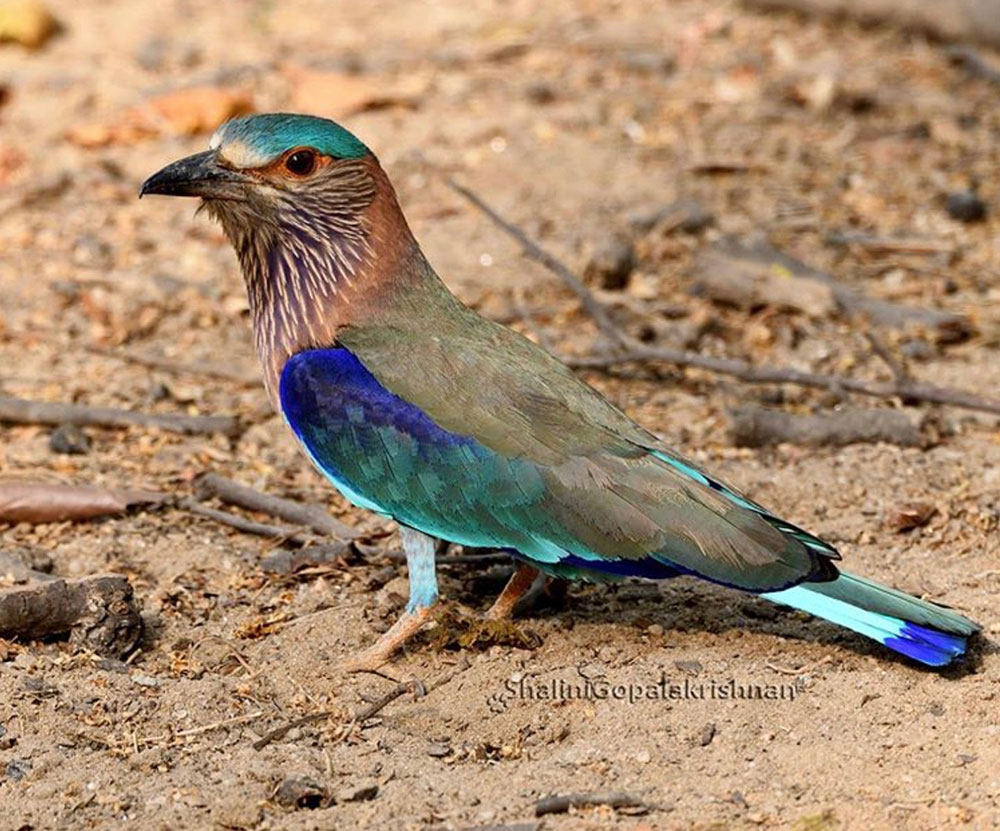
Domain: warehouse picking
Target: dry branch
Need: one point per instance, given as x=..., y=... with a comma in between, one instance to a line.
x=907, y=390
x=247, y=526
x=533, y=250
x=562, y=803
x=949, y=19
x=306, y=515
x=24, y=411
x=414, y=686
x=634, y=352
x=759, y=427
x=99, y=612
x=754, y=273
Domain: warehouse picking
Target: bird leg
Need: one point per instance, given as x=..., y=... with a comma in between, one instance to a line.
x=520, y=581
x=419, y=550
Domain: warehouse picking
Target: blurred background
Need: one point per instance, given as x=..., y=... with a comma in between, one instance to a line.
x=759, y=181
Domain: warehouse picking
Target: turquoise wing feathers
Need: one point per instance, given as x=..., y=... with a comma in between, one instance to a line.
x=576, y=495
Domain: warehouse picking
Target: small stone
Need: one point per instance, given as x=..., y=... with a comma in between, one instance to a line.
x=690, y=667
x=301, y=792
x=358, y=793
x=69, y=439
x=540, y=92
x=643, y=757
x=17, y=769
x=706, y=735
x=438, y=750
x=145, y=680
x=655, y=630
x=611, y=264
x=965, y=206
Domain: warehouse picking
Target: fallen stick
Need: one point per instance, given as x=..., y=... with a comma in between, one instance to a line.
x=631, y=351
x=951, y=20
x=760, y=427
x=533, y=250
x=99, y=612
x=562, y=803
x=218, y=372
x=414, y=685
x=24, y=411
x=247, y=526
x=907, y=390
x=973, y=63
x=311, y=516
x=751, y=273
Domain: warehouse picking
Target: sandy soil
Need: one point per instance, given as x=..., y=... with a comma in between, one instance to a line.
x=567, y=116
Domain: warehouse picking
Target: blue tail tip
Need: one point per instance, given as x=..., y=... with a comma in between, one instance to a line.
x=929, y=646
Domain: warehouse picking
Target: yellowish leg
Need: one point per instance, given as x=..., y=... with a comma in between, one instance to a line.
x=419, y=549
x=519, y=583
x=382, y=650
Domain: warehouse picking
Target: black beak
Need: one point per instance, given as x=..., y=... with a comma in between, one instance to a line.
x=197, y=175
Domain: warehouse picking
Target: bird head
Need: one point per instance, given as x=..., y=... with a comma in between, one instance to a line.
x=276, y=175
x=312, y=217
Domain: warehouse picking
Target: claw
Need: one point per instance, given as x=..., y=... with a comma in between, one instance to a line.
x=382, y=650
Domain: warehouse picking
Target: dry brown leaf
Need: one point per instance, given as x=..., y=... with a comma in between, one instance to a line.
x=26, y=22
x=194, y=110
x=35, y=501
x=184, y=112
x=910, y=516
x=337, y=94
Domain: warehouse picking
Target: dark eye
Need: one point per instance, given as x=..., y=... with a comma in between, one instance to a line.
x=301, y=162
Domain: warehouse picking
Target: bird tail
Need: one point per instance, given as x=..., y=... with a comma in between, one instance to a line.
x=925, y=632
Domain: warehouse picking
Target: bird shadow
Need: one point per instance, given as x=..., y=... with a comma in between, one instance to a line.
x=689, y=605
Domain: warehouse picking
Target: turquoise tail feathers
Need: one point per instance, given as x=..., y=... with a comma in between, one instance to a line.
x=923, y=631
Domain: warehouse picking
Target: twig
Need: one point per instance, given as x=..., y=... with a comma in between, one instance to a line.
x=973, y=64
x=25, y=411
x=247, y=526
x=899, y=370
x=562, y=803
x=531, y=249
x=912, y=390
x=314, y=517
x=761, y=427
x=414, y=685
x=220, y=373
x=631, y=351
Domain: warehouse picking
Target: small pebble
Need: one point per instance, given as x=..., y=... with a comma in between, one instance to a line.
x=301, y=792
x=17, y=769
x=69, y=439
x=706, y=735
x=145, y=681
x=611, y=264
x=655, y=630
x=965, y=206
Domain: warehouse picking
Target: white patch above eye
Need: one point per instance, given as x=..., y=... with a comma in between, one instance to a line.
x=239, y=154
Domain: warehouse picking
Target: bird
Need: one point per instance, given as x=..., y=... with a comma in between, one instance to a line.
x=460, y=429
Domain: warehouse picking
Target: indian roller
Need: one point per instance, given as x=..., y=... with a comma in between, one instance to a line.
x=460, y=429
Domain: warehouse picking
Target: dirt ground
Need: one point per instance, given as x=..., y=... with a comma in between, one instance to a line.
x=568, y=117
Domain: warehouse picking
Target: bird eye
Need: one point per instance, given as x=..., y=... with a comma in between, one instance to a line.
x=301, y=162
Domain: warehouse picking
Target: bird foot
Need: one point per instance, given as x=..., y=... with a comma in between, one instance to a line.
x=381, y=651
